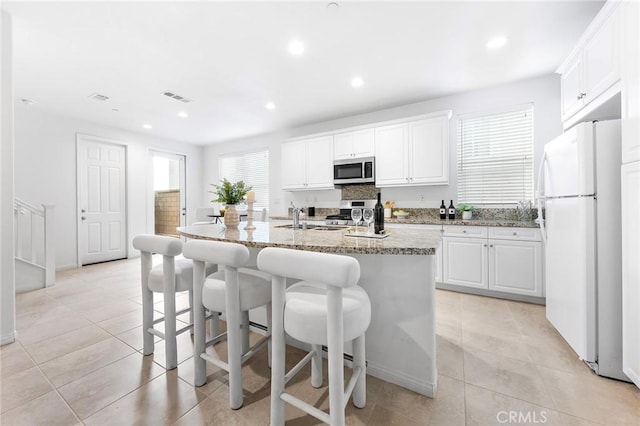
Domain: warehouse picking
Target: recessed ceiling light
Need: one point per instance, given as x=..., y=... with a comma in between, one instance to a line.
x=357, y=82
x=296, y=47
x=333, y=7
x=496, y=42
x=183, y=114
x=270, y=105
x=147, y=126
x=115, y=109
x=27, y=101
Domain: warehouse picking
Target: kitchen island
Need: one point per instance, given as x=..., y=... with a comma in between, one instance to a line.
x=397, y=272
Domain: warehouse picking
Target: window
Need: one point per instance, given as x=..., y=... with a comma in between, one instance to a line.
x=253, y=169
x=495, y=157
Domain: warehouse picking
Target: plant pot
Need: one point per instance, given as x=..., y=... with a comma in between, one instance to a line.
x=466, y=215
x=231, y=217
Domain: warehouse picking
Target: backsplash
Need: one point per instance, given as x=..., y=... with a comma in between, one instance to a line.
x=508, y=214
x=367, y=191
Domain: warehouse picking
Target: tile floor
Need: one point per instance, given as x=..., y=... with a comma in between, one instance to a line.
x=78, y=361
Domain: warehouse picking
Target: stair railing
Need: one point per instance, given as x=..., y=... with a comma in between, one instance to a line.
x=34, y=241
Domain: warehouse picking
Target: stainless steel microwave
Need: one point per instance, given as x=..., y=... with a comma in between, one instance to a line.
x=354, y=170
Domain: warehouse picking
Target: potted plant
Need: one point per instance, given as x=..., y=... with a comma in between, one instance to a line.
x=230, y=194
x=466, y=210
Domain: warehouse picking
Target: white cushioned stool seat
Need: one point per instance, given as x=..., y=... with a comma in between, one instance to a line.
x=184, y=275
x=254, y=290
x=305, y=312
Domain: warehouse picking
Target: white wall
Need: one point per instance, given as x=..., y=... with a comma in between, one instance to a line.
x=45, y=172
x=544, y=92
x=7, y=276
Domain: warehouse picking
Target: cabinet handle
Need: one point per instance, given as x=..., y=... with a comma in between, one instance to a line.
x=484, y=245
x=490, y=245
x=464, y=231
x=515, y=233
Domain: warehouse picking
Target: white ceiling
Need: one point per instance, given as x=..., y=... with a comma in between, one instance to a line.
x=231, y=58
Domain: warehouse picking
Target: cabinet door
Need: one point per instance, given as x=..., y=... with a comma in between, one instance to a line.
x=319, y=163
x=631, y=271
x=293, y=165
x=428, y=151
x=601, y=59
x=364, y=143
x=571, y=88
x=464, y=261
x=630, y=81
x=391, y=155
x=515, y=267
x=343, y=146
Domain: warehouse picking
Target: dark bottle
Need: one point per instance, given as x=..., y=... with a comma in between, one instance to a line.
x=378, y=216
x=443, y=211
x=452, y=211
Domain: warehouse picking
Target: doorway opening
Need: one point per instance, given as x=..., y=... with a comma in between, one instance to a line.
x=169, y=201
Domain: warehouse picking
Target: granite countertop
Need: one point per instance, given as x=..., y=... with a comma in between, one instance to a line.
x=505, y=223
x=268, y=234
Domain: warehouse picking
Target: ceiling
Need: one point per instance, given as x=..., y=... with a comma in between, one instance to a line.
x=231, y=58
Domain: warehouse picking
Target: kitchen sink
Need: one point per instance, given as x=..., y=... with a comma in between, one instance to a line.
x=315, y=227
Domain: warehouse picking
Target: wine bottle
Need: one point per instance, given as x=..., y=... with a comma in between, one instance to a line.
x=378, y=216
x=443, y=211
x=452, y=211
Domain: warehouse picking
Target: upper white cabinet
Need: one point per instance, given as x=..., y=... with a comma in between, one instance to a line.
x=308, y=164
x=593, y=68
x=355, y=144
x=415, y=152
x=630, y=75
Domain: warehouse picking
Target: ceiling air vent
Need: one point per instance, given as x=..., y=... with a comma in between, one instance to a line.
x=176, y=97
x=98, y=97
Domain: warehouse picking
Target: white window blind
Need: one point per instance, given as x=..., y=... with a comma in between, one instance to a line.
x=253, y=169
x=495, y=157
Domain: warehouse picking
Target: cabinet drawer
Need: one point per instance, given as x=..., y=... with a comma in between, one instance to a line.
x=523, y=234
x=465, y=231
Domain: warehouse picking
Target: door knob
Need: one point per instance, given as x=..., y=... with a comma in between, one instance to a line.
x=83, y=210
x=83, y=218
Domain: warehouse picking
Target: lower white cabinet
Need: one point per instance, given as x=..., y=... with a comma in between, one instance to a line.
x=500, y=259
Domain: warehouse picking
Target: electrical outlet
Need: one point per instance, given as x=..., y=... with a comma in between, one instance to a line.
x=422, y=198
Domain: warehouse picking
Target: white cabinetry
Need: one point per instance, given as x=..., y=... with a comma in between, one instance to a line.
x=631, y=270
x=593, y=67
x=499, y=259
x=355, y=144
x=308, y=164
x=630, y=16
x=464, y=256
x=415, y=152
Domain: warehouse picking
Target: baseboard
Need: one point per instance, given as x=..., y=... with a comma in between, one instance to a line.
x=397, y=378
x=490, y=293
x=9, y=338
x=66, y=267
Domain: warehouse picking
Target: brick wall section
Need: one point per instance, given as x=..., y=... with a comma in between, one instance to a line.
x=167, y=212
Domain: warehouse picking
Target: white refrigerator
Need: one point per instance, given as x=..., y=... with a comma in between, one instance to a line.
x=581, y=195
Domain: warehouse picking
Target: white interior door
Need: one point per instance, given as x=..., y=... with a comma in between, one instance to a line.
x=101, y=201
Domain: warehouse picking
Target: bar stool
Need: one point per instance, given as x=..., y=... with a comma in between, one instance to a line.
x=326, y=308
x=233, y=291
x=173, y=275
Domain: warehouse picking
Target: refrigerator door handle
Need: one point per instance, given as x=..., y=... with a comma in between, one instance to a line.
x=540, y=198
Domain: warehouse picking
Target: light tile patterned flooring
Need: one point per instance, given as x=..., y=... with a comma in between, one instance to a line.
x=78, y=361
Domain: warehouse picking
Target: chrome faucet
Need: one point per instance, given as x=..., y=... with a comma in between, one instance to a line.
x=296, y=216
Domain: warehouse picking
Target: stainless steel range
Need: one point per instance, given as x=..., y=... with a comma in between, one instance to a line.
x=344, y=217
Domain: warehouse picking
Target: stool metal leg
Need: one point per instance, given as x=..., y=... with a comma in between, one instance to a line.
x=278, y=285
x=335, y=345
x=200, y=365
x=245, y=331
x=316, y=366
x=269, y=332
x=147, y=304
x=234, y=338
x=169, y=272
x=360, y=390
